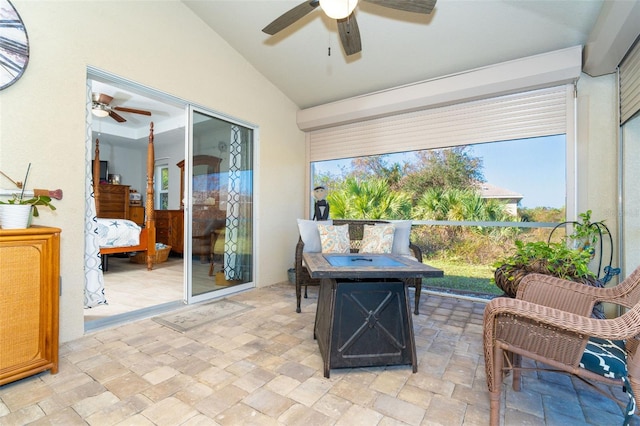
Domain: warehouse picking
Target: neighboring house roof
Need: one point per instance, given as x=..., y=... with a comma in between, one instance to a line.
x=488, y=190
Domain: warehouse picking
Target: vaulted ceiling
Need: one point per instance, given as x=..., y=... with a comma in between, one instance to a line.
x=306, y=61
x=397, y=47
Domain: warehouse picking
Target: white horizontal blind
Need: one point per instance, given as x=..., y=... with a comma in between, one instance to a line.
x=530, y=114
x=630, y=84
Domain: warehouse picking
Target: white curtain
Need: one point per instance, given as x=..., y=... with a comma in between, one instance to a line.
x=93, y=278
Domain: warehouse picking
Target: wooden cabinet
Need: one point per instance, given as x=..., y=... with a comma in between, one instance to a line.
x=29, y=300
x=113, y=201
x=136, y=214
x=169, y=229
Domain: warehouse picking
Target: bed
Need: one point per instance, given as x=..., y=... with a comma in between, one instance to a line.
x=112, y=207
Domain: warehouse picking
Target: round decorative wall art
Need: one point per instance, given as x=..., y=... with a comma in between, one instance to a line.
x=14, y=45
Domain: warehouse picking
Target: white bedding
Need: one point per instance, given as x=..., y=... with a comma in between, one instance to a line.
x=118, y=233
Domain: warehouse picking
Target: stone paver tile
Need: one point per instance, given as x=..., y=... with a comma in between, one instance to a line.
x=137, y=420
x=241, y=414
x=190, y=365
x=310, y=391
x=107, y=371
x=127, y=385
x=16, y=397
x=119, y=411
x=445, y=411
x=400, y=410
x=90, y=405
x=66, y=417
x=200, y=420
x=22, y=416
x=268, y=402
x=355, y=394
x=431, y=384
x=160, y=375
x=216, y=377
x=295, y=370
x=170, y=411
x=516, y=417
x=169, y=387
x=332, y=406
x=359, y=416
x=415, y=395
x=193, y=393
x=299, y=414
x=282, y=385
x=254, y=380
x=220, y=400
x=389, y=382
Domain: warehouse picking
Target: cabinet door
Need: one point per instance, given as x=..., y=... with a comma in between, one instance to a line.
x=28, y=305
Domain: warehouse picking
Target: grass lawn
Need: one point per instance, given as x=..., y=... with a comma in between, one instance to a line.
x=463, y=277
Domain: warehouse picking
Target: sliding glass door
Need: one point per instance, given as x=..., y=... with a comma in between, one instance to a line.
x=218, y=188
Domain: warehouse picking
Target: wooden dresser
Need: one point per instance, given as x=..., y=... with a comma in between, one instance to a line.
x=169, y=229
x=29, y=301
x=136, y=214
x=113, y=201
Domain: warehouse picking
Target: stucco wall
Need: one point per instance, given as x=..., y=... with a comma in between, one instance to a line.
x=597, y=152
x=162, y=45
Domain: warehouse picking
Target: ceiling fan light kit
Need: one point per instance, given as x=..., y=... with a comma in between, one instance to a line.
x=342, y=12
x=98, y=111
x=338, y=9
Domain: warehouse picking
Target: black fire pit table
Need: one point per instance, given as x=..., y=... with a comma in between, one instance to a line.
x=363, y=317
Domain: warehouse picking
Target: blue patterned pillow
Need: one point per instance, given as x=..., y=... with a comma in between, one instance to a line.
x=608, y=358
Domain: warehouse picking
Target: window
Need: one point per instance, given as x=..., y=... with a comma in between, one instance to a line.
x=162, y=187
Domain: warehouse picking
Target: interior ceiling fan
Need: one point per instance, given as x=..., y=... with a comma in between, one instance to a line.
x=342, y=12
x=101, y=108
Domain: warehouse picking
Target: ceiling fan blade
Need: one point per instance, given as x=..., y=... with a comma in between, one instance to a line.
x=349, y=35
x=101, y=98
x=134, y=111
x=117, y=117
x=415, y=6
x=288, y=18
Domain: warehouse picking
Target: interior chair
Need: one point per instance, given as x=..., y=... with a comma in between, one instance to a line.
x=549, y=322
x=356, y=231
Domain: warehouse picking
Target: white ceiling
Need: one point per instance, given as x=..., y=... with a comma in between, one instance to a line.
x=397, y=47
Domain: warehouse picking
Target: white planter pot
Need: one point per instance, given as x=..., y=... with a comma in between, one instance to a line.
x=15, y=216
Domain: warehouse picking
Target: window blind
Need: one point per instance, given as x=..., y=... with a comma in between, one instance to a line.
x=534, y=113
x=630, y=84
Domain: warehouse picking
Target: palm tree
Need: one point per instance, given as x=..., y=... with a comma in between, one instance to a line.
x=370, y=199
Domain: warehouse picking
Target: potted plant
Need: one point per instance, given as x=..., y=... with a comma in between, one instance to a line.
x=16, y=212
x=568, y=259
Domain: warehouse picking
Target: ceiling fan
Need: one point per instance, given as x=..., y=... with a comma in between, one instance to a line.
x=100, y=108
x=342, y=12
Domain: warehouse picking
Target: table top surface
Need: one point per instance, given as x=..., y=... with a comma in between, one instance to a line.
x=356, y=265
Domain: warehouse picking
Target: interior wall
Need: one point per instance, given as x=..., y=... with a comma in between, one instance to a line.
x=597, y=152
x=630, y=198
x=171, y=154
x=164, y=46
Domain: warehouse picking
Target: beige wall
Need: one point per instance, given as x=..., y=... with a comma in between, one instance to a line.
x=597, y=152
x=162, y=45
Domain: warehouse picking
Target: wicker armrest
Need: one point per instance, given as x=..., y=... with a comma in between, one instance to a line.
x=542, y=317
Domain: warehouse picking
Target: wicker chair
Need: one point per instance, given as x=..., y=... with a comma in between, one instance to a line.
x=550, y=322
x=356, y=230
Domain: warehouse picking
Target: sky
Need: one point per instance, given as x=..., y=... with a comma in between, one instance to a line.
x=535, y=168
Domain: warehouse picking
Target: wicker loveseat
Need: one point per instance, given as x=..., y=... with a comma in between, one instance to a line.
x=356, y=229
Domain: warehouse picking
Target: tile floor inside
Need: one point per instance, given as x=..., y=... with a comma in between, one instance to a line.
x=263, y=367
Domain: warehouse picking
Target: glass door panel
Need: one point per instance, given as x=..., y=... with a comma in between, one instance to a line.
x=219, y=207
